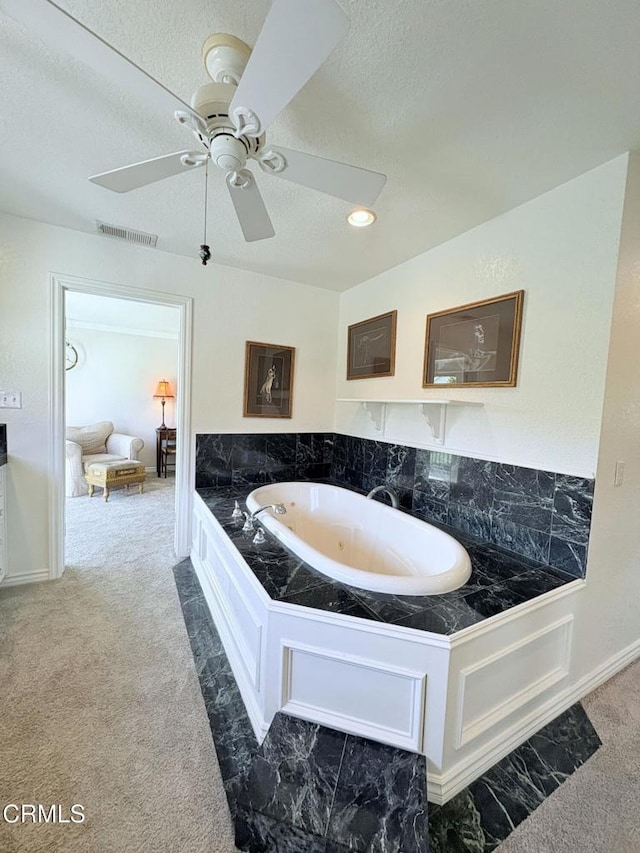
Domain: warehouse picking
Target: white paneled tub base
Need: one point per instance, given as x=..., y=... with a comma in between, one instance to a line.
x=464, y=700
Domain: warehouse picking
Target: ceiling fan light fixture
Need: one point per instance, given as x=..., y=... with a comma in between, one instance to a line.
x=225, y=58
x=361, y=217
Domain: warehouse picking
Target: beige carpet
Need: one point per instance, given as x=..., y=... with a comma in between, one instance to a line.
x=597, y=810
x=99, y=700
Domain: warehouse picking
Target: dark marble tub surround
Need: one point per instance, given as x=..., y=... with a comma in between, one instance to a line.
x=479, y=818
x=536, y=514
x=499, y=580
x=307, y=787
x=223, y=459
x=3, y=444
x=305, y=777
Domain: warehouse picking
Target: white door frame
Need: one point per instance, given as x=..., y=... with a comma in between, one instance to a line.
x=185, y=465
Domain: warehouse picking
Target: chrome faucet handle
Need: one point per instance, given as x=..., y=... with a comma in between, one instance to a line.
x=247, y=527
x=259, y=538
x=237, y=513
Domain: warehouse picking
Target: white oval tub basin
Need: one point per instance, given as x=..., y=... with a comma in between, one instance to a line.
x=362, y=542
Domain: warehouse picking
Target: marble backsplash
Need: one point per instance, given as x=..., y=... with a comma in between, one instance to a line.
x=231, y=459
x=540, y=515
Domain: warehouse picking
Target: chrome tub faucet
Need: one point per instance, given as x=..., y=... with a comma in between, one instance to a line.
x=395, y=501
x=248, y=526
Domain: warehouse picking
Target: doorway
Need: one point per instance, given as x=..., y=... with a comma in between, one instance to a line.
x=67, y=290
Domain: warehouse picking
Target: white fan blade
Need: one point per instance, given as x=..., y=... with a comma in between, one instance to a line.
x=296, y=38
x=148, y=171
x=250, y=210
x=56, y=27
x=359, y=186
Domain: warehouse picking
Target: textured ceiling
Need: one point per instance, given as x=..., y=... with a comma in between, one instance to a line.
x=470, y=108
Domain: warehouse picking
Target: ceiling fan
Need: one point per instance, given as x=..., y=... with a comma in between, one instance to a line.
x=230, y=115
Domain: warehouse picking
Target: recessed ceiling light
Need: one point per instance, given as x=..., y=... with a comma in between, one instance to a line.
x=361, y=217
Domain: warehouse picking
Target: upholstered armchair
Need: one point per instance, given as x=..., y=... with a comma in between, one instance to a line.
x=95, y=443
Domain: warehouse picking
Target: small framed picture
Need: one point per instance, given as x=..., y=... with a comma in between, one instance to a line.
x=371, y=347
x=268, y=380
x=474, y=345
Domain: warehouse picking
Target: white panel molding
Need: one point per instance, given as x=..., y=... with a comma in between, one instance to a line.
x=409, y=737
x=250, y=653
x=120, y=330
x=214, y=600
x=466, y=731
x=185, y=461
x=442, y=787
x=26, y=577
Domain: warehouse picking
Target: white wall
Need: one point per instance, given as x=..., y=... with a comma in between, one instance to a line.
x=230, y=306
x=115, y=379
x=561, y=248
x=609, y=621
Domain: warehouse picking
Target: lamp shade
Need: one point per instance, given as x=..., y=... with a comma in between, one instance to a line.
x=163, y=390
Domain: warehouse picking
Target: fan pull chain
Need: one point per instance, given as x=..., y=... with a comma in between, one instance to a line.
x=205, y=251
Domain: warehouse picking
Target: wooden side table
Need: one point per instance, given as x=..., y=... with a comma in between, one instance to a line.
x=163, y=435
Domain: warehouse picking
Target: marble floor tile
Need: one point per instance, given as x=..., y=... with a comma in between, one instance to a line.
x=258, y=833
x=380, y=802
x=294, y=774
x=233, y=736
x=479, y=818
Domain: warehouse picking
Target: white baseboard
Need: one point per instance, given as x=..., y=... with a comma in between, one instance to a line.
x=607, y=670
x=26, y=577
x=443, y=787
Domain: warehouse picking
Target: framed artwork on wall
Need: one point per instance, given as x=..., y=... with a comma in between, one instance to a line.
x=371, y=347
x=475, y=345
x=268, y=380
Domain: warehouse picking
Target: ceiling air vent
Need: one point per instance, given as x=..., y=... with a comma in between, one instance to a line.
x=129, y=234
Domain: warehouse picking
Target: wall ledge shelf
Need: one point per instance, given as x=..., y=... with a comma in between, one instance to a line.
x=433, y=410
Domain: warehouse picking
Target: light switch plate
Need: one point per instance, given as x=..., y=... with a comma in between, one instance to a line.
x=10, y=399
x=618, y=478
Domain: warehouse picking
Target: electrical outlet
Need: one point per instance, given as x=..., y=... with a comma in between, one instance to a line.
x=10, y=399
x=618, y=478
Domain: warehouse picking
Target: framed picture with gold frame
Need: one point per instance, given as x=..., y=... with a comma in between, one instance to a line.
x=268, y=380
x=474, y=345
x=371, y=347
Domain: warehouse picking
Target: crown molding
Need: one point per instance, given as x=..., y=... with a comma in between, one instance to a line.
x=120, y=330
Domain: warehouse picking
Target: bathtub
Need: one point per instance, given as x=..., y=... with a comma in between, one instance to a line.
x=362, y=542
